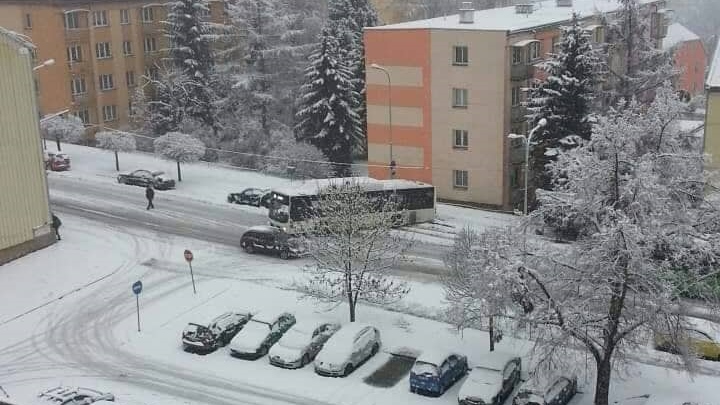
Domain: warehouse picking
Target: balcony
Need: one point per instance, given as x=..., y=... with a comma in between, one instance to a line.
x=77, y=35
x=77, y=67
x=521, y=71
x=517, y=113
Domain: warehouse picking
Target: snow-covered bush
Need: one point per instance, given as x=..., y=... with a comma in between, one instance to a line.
x=179, y=147
x=117, y=142
x=66, y=129
x=307, y=160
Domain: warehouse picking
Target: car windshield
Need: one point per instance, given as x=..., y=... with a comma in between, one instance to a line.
x=423, y=368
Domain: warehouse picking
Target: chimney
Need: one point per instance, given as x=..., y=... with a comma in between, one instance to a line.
x=467, y=13
x=564, y=3
x=524, y=8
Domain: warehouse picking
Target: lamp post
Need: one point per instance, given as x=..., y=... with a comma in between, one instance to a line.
x=389, y=85
x=48, y=62
x=528, y=139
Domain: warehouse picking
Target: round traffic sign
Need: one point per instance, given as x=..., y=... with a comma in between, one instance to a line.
x=188, y=255
x=137, y=287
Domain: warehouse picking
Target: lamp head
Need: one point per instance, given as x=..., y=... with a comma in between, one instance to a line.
x=542, y=122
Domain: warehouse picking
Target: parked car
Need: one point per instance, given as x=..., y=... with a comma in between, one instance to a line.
x=300, y=344
x=218, y=332
x=65, y=395
x=699, y=335
x=492, y=381
x=433, y=373
x=57, y=161
x=272, y=240
x=144, y=177
x=347, y=349
x=259, y=334
x=557, y=390
x=251, y=196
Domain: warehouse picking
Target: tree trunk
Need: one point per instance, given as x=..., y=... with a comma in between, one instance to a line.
x=352, y=307
x=492, y=334
x=57, y=140
x=602, y=382
x=117, y=162
x=179, y=175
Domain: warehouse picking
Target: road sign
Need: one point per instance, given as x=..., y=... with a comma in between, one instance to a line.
x=188, y=255
x=137, y=287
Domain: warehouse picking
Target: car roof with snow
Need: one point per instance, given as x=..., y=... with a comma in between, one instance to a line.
x=264, y=229
x=436, y=357
x=268, y=317
x=227, y=318
x=481, y=383
x=344, y=338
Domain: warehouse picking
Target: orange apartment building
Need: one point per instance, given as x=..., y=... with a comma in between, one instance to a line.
x=457, y=85
x=689, y=56
x=102, y=50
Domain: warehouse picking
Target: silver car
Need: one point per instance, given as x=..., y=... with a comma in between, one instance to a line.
x=347, y=349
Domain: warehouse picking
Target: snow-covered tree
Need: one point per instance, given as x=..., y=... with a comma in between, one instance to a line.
x=353, y=248
x=647, y=238
x=564, y=99
x=164, y=102
x=66, y=129
x=179, y=147
x=116, y=141
x=326, y=117
x=297, y=159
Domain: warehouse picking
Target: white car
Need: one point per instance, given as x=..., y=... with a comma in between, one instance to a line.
x=300, y=344
x=259, y=334
x=347, y=349
x=492, y=381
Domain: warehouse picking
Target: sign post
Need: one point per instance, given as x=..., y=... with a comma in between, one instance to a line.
x=137, y=289
x=189, y=258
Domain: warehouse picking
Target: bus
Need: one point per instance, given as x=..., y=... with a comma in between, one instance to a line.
x=291, y=207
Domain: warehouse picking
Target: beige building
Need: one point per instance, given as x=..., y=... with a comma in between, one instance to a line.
x=456, y=91
x=712, y=114
x=24, y=204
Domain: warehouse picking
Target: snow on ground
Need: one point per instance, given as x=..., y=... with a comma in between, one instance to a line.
x=90, y=338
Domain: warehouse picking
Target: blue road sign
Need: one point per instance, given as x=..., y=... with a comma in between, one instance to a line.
x=137, y=287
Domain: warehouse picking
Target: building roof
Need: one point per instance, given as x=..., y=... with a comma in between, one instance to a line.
x=713, y=79
x=17, y=40
x=677, y=34
x=546, y=12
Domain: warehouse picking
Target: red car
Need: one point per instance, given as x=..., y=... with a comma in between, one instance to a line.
x=57, y=161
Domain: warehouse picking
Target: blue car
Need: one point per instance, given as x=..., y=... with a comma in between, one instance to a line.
x=434, y=373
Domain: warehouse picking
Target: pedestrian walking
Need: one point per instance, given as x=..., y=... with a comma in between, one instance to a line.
x=149, y=194
x=56, y=226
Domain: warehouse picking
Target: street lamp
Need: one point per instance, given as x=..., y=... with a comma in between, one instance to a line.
x=48, y=62
x=389, y=85
x=528, y=140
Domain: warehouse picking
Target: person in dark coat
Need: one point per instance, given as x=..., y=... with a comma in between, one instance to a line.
x=56, y=226
x=149, y=194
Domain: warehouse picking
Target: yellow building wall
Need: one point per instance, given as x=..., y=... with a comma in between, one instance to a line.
x=712, y=130
x=24, y=205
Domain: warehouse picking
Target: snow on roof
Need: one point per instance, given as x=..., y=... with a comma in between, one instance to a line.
x=546, y=12
x=482, y=384
x=311, y=187
x=713, y=79
x=18, y=40
x=435, y=357
x=676, y=34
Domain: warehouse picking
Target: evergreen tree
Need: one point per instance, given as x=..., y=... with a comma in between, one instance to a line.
x=327, y=118
x=191, y=54
x=564, y=99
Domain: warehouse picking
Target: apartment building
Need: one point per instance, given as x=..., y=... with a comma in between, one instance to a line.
x=689, y=57
x=24, y=202
x=711, y=142
x=102, y=49
x=456, y=92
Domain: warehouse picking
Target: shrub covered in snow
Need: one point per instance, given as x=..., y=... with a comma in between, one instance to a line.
x=66, y=129
x=179, y=147
x=306, y=159
x=117, y=142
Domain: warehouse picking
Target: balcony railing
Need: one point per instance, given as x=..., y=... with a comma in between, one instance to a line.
x=522, y=71
x=77, y=34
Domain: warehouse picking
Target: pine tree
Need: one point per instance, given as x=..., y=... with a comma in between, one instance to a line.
x=564, y=99
x=327, y=118
x=192, y=55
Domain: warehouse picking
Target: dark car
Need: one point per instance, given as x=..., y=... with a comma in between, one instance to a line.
x=551, y=391
x=272, y=240
x=250, y=196
x=143, y=178
x=434, y=373
x=259, y=334
x=219, y=332
x=57, y=161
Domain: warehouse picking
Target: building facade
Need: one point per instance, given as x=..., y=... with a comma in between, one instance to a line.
x=102, y=49
x=711, y=142
x=689, y=57
x=24, y=204
x=456, y=91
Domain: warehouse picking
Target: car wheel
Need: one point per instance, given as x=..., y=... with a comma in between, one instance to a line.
x=305, y=360
x=284, y=254
x=249, y=248
x=348, y=369
x=375, y=349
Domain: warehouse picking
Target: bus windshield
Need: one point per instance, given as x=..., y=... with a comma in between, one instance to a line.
x=279, y=209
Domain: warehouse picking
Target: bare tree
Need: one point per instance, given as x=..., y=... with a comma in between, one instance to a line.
x=179, y=147
x=117, y=142
x=353, y=247
x=66, y=129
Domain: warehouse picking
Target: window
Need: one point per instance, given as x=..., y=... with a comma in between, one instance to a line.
x=517, y=55
x=130, y=78
x=28, y=22
x=77, y=85
x=205, y=11
x=151, y=72
x=72, y=20
x=109, y=113
x=460, y=178
x=84, y=116
x=555, y=44
x=150, y=44
x=461, y=55
x=460, y=98
x=74, y=53
x=516, y=93
x=148, y=15
x=515, y=175
x=460, y=138
x=124, y=16
x=127, y=48
x=533, y=51
x=599, y=35
x=102, y=50
x=100, y=18
x=106, y=82
x=131, y=110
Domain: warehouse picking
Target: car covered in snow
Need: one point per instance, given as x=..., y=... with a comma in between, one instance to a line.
x=543, y=390
x=700, y=336
x=260, y=334
x=66, y=395
x=57, y=161
x=143, y=178
x=271, y=240
x=492, y=381
x=256, y=197
x=218, y=332
x=434, y=372
x=347, y=349
x=301, y=344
